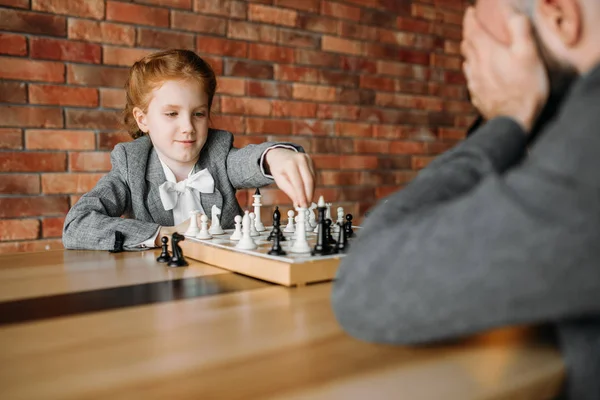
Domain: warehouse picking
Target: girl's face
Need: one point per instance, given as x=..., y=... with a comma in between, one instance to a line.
x=177, y=121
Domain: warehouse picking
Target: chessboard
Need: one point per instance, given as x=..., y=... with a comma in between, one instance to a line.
x=288, y=270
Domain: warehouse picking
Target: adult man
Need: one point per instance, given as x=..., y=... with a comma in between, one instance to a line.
x=486, y=236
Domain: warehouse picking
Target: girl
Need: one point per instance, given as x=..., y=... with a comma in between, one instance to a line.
x=176, y=163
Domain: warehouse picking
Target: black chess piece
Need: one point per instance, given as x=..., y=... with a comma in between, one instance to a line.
x=342, y=243
x=322, y=247
x=177, y=260
x=276, y=250
x=119, y=243
x=276, y=224
x=257, y=192
x=330, y=238
x=164, y=255
x=348, y=226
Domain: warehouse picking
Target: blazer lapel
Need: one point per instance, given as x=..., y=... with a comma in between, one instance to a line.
x=155, y=177
x=209, y=199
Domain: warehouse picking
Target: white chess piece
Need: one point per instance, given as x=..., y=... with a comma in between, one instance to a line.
x=328, y=212
x=246, y=242
x=203, y=234
x=257, y=204
x=312, y=219
x=253, y=231
x=215, y=223
x=290, y=225
x=320, y=204
x=237, y=234
x=192, y=230
x=340, y=220
x=300, y=244
x=307, y=225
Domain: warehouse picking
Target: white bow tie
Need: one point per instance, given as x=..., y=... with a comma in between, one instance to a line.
x=202, y=181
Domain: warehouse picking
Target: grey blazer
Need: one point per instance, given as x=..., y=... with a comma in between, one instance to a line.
x=130, y=190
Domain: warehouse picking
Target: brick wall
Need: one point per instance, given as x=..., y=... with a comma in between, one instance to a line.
x=371, y=88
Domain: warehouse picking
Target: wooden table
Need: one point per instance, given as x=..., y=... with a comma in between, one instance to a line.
x=83, y=324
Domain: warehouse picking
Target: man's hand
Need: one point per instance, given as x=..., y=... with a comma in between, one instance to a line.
x=169, y=230
x=293, y=173
x=504, y=80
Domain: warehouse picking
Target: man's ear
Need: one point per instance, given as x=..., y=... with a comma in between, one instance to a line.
x=564, y=18
x=140, y=118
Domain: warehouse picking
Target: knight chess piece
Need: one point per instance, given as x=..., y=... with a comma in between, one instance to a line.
x=164, y=254
x=177, y=260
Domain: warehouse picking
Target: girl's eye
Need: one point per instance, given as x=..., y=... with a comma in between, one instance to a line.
x=199, y=114
x=171, y=114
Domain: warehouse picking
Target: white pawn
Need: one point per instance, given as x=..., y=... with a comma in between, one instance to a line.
x=246, y=242
x=340, y=220
x=290, y=225
x=215, y=223
x=237, y=234
x=203, y=234
x=192, y=230
x=253, y=231
x=300, y=244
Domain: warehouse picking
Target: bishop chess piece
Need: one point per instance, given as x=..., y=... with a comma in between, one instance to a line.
x=276, y=250
x=322, y=247
x=276, y=224
x=328, y=228
x=177, y=260
x=348, y=226
x=164, y=254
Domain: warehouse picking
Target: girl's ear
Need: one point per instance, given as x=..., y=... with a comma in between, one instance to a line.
x=140, y=119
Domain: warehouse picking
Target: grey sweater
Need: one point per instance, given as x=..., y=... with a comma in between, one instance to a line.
x=485, y=237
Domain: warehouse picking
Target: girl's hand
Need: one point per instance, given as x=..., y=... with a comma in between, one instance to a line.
x=294, y=173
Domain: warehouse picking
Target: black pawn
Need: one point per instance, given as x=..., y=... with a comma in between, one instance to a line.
x=330, y=238
x=322, y=247
x=348, y=226
x=164, y=255
x=177, y=260
x=276, y=226
x=276, y=250
x=342, y=244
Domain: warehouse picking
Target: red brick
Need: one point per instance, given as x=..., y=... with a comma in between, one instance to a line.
x=311, y=57
x=389, y=131
x=89, y=8
x=452, y=47
x=297, y=74
x=19, y=229
x=35, y=117
x=232, y=86
x=230, y=123
x=420, y=162
x=339, y=10
x=317, y=23
x=246, y=106
x=52, y=227
x=59, y=140
x=358, y=162
x=353, y=129
x=403, y=70
x=15, y=3
x=19, y=184
x=297, y=39
x=439, y=147
x=243, y=141
x=408, y=101
x=108, y=140
x=449, y=32
x=29, y=70
x=112, y=98
x=93, y=119
x=371, y=146
x=271, y=15
x=102, y=32
x=69, y=183
x=252, y=32
x=96, y=76
x=384, y=191
x=265, y=52
x=17, y=207
x=413, y=25
x=11, y=138
x=13, y=92
x=412, y=87
x=31, y=246
x=30, y=22
x=446, y=62
x=379, y=18
x=249, y=69
x=56, y=49
x=339, y=45
x=161, y=39
x=137, y=14
x=328, y=161
x=451, y=134
x=63, y=95
x=338, y=178
x=32, y=161
x=313, y=127
x=377, y=83
x=356, y=96
x=15, y=45
x=264, y=126
x=355, y=31
x=304, y=5
x=186, y=4
x=216, y=62
x=89, y=161
x=123, y=55
x=224, y=8
x=269, y=89
x=329, y=145
x=338, y=78
x=225, y=47
x=318, y=93
x=198, y=23
x=398, y=147
x=356, y=64
x=283, y=108
x=327, y=111
x=274, y=197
